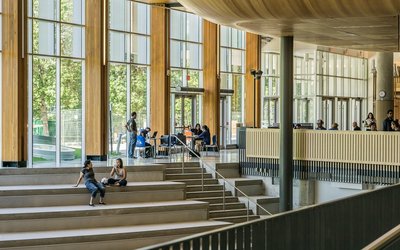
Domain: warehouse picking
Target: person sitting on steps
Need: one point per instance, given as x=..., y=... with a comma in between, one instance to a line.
x=91, y=183
x=119, y=172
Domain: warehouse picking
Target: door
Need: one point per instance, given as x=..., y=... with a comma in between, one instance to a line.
x=185, y=112
x=224, y=122
x=343, y=114
x=328, y=113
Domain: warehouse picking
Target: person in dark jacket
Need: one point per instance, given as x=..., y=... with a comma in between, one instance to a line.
x=387, y=123
x=203, y=138
x=197, y=130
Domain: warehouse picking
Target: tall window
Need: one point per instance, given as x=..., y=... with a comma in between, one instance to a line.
x=232, y=72
x=327, y=86
x=129, y=68
x=186, y=68
x=342, y=83
x=56, y=47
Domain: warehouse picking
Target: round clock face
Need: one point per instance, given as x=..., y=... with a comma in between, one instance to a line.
x=382, y=93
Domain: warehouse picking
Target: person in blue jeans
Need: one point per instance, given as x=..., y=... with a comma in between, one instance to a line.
x=91, y=183
x=132, y=129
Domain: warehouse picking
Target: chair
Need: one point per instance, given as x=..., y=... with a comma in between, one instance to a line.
x=141, y=145
x=166, y=142
x=214, y=145
x=180, y=141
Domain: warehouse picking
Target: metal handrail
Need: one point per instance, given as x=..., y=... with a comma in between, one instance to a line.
x=385, y=239
x=221, y=177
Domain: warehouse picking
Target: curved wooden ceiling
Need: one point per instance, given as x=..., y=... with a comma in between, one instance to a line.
x=356, y=24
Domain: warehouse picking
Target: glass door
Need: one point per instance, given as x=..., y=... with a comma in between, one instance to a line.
x=185, y=112
x=224, y=122
x=343, y=114
x=328, y=113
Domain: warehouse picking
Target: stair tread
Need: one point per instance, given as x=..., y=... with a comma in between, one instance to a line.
x=229, y=210
x=64, y=211
x=235, y=217
x=106, y=231
x=51, y=189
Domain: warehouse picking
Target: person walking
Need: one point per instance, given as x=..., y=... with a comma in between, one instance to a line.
x=91, y=183
x=132, y=129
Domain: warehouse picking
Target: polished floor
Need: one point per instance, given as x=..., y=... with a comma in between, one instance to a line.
x=225, y=156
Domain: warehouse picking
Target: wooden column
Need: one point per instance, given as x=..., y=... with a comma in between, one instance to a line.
x=14, y=85
x=159, y=81
x=96, y=115
x=253, y=61
x=211, y=81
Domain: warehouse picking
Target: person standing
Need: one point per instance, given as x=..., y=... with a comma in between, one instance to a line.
x=369, y=120
x=387, y=123
x=320, y=125
x=132, y=129
x=356, y=127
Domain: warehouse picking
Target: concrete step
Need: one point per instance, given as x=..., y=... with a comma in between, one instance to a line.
x=197, y=181
x=187, y=176
x=66, y=195
x=75, y=217
x=203, y=194
x=216, y=200
x=57, y=176
x=228, y=206
x=250, y=187
x=127, y=237
x=270, y=203
x=237, y=219
x=194, y=188
x=186, y=170
x=228, y=170
x=179, y=164
x=229, y=213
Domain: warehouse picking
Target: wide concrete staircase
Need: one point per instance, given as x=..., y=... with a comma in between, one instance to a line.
x=39, y=209
x=234, y=211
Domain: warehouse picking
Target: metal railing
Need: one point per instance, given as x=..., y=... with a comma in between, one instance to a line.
x=390, y=240
x=218, y=176
x=348, y=223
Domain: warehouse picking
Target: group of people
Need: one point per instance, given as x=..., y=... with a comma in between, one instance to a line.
x=131, y=127
x=389, y=124
x=118, y=176
x=202, y=136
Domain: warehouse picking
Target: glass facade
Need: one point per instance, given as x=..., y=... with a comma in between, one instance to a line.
x=129, y=69
x=332, y=88
x=56, y=47
x=232, y=65
x=186, y=64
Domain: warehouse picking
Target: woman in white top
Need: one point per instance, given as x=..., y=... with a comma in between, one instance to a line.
x=369, y=120
x=119, y=173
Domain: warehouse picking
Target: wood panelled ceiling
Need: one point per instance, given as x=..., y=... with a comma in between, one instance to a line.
x=355, y=24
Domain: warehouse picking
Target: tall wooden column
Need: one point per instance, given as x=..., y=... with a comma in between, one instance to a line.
x=253, y=61
x=14, y=85
x=159, y=81
x=211, y=84
x=96, y=115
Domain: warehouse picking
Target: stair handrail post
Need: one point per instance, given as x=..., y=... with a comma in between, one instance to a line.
x=202, y=176
x=248, y=208
x=183, y=160
x=223, y=197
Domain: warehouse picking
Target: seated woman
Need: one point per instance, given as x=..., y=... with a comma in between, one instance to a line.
x=197, y=130
x=119, y=173
x=203, y=138
x=91, y=183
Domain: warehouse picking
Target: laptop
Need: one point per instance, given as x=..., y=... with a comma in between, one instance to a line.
x=154, y=134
